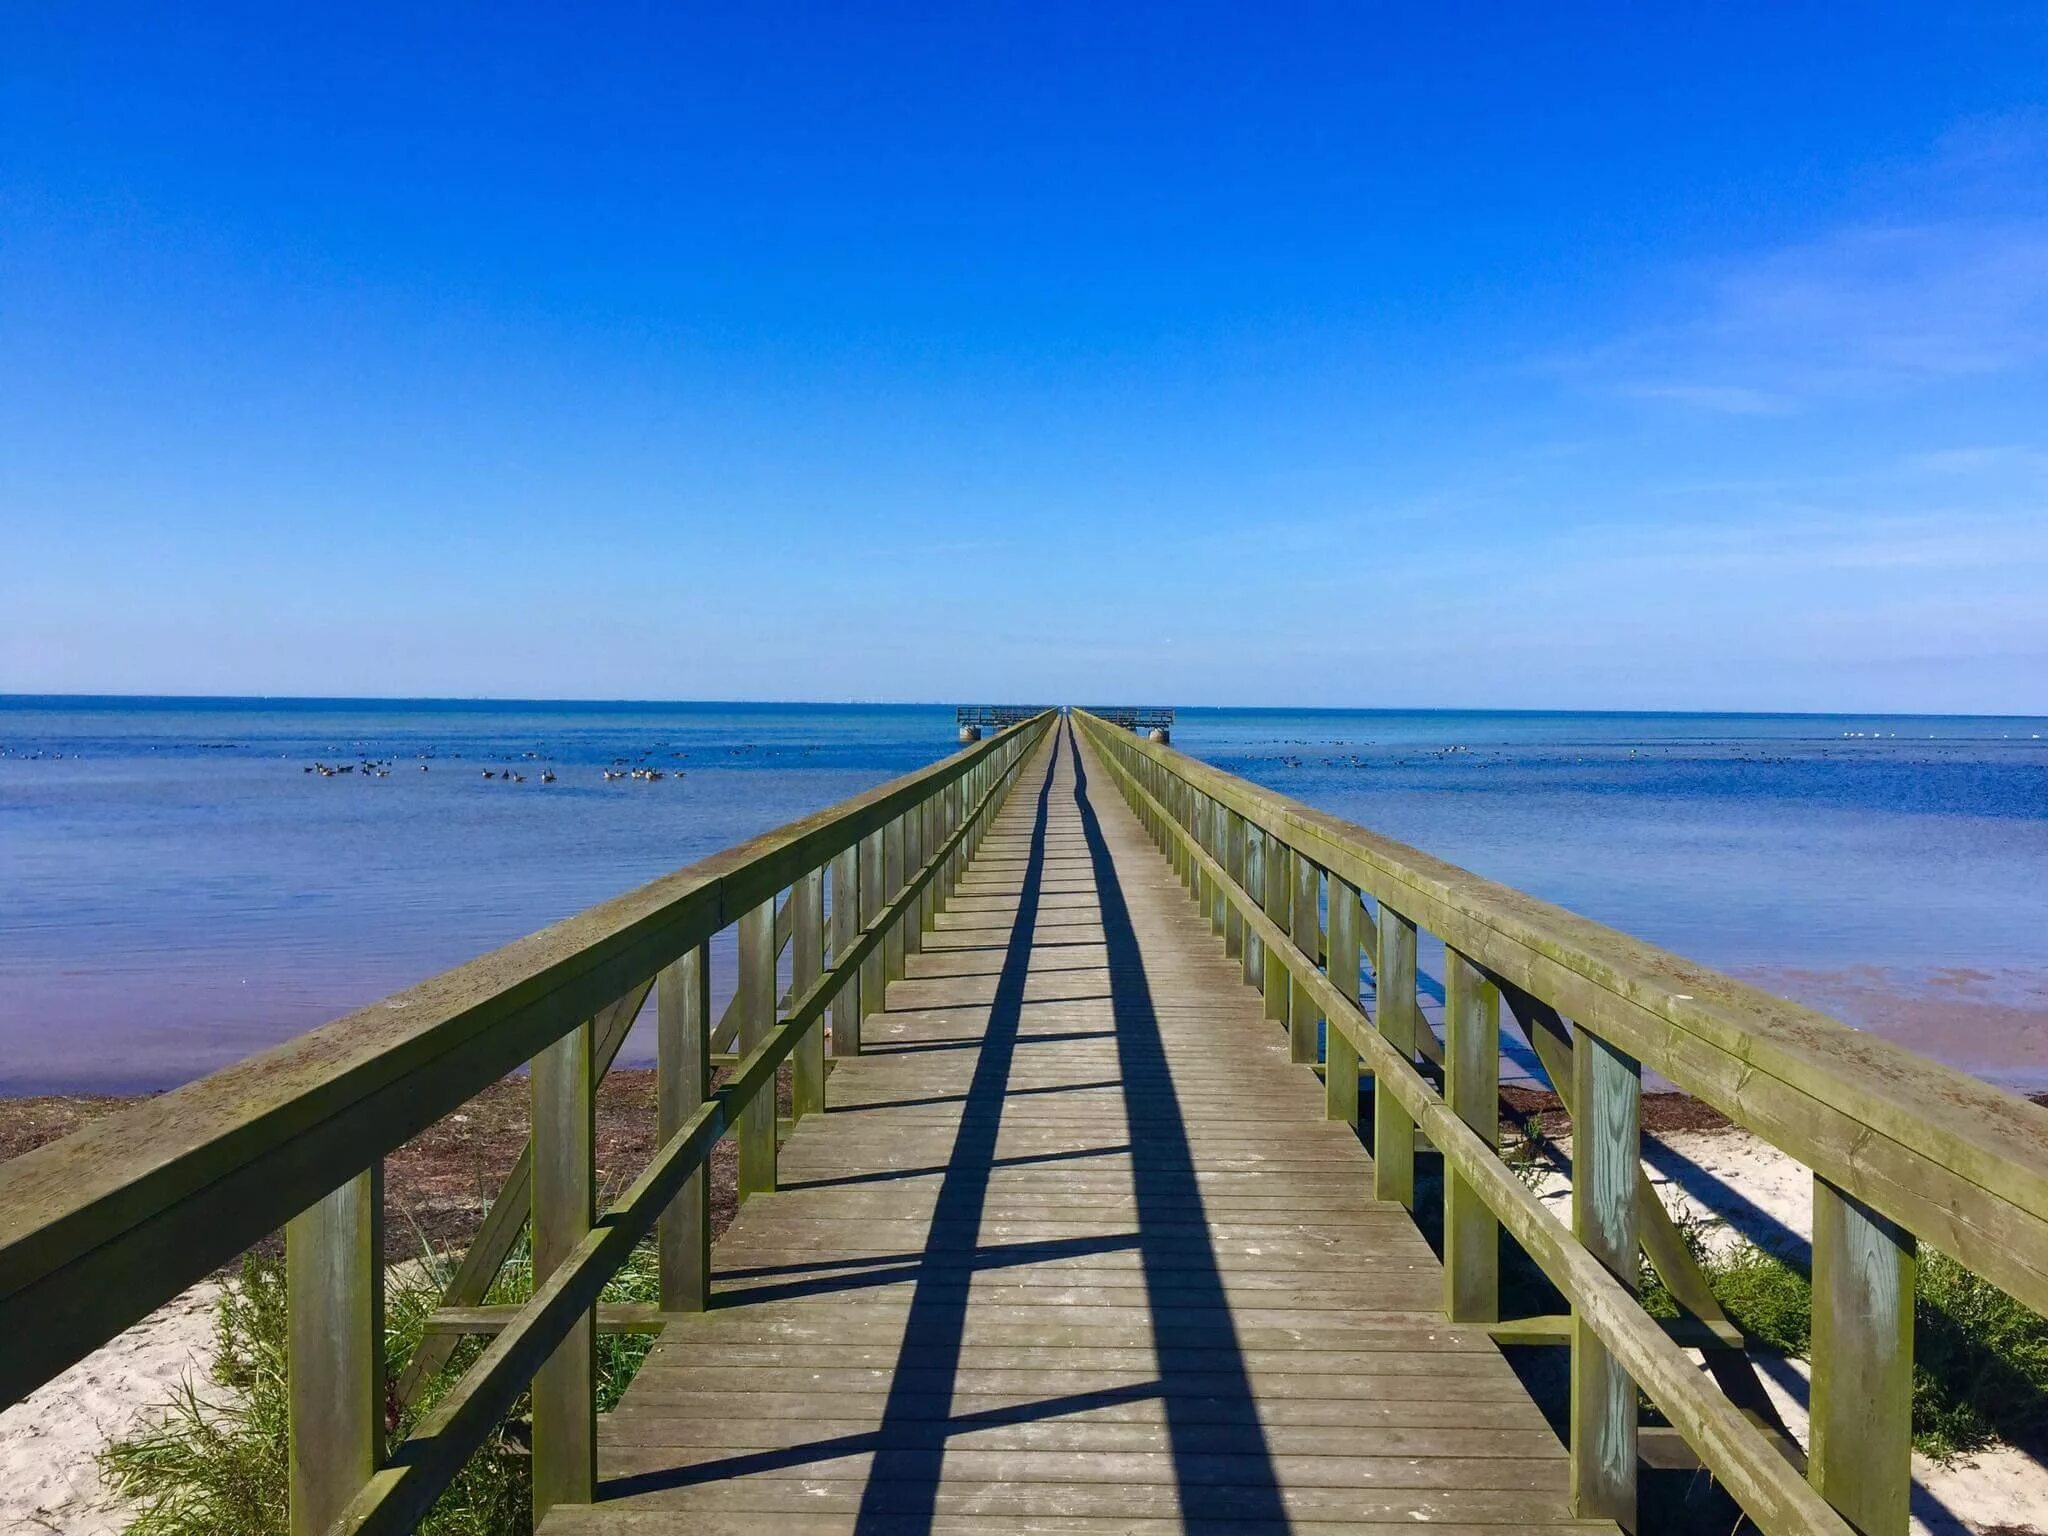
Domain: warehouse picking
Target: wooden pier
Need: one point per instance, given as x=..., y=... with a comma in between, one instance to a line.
x=1073, y=1246
x=1079, y=1091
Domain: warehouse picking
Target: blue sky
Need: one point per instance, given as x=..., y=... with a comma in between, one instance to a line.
x=1668, y=357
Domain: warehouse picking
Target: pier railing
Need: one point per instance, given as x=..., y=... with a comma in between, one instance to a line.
x=98, y=1230
x=1901, y=1148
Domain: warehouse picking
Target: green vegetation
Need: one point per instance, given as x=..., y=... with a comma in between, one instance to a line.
x=215, y=1462
x=1980, y=1358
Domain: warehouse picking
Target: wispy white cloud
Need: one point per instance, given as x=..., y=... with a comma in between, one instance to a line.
x=1726, y=399
x=1861, y=310
x=1943, y=277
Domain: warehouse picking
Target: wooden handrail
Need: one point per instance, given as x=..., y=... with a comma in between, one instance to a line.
x=398, y=1495
x=1953, y=1158
x=1899, y=1145
x=99, y=1229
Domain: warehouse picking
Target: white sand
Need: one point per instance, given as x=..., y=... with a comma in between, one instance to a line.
x=1772, y=1198
x=48, y=1481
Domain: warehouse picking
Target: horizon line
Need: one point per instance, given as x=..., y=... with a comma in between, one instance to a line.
x=7, y=698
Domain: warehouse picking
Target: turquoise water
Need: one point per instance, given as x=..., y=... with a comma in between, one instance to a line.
x=176, y=890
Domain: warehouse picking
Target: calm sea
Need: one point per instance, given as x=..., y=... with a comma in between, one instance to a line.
x=177, y=891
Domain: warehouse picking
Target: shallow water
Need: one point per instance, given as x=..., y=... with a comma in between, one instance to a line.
x=175, y=891
x=1892, y=871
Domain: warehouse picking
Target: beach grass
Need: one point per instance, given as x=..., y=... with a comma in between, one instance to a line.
x=1980, y=1358
x=214, y=1461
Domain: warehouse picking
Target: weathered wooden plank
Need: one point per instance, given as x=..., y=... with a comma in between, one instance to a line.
x=609, y=1520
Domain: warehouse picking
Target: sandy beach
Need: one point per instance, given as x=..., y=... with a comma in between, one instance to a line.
x=1749, y=1191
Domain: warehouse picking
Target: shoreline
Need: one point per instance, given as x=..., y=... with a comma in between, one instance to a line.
x=437, y=1186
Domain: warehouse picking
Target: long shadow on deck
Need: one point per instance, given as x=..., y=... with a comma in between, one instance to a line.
x=902, y=1489
x=1207, y=1391
x=1210, y=1412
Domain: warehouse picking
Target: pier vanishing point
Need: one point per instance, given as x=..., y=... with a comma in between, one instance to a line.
x=1118, y=1150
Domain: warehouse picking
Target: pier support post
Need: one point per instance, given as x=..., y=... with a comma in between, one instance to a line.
x=334, y=1298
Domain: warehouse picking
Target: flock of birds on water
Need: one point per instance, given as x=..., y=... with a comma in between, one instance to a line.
x=619, y=772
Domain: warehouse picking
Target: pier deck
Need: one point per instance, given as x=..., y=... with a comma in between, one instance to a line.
x=1073, y=1248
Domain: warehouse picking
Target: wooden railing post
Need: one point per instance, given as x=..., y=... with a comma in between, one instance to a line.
x=1860, y=1455
x=1233, y=866
x=1302, y=1012
x=1213, y=840
x=893, y=847
x=334, y=1296
x=1394, y=1013
x=874, y=988
x=807, y=964
x=1607, y=1093
x=912, y=922
x=1340, y=1068
x=949, y=823
x=846, y=929
x=564, y=1206
x=757, y=1018
x=1184, y=812
x=1255, y=887
x=1472, y=1091
x=682, y=1003
x=1279, y=892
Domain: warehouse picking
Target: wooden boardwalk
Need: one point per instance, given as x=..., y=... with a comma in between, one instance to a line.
x=1073, y=1249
